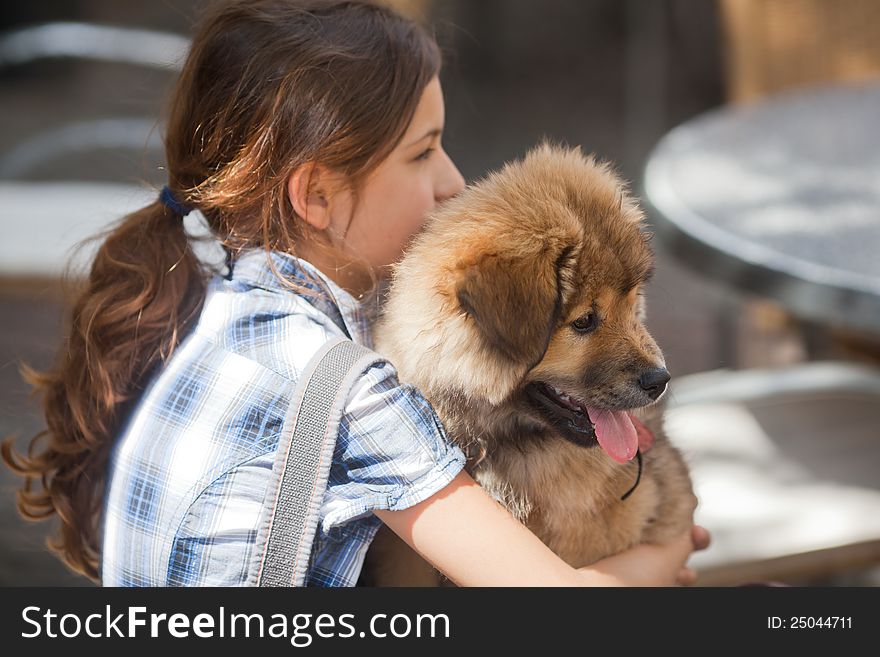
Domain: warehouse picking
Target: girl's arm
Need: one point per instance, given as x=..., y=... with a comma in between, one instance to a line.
x=474, y=541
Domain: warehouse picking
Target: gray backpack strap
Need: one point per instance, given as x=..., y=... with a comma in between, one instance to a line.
x=302, y=462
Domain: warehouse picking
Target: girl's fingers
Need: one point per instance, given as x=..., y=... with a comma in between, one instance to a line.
x=700, y=537
x=687, y=577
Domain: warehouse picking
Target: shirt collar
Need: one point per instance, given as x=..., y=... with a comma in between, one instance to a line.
x=255, y=268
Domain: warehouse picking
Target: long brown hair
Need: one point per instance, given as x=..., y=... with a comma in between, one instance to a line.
x=268, y=86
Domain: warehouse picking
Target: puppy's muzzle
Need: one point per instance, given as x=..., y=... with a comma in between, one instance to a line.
x=654, y=381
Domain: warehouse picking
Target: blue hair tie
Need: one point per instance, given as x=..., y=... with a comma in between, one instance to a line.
x=170, y=202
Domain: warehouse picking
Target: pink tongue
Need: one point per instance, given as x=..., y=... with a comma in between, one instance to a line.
x=616, y=434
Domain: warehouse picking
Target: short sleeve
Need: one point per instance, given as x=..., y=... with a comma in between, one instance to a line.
x=391, y=451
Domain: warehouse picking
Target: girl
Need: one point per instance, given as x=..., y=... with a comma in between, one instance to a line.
x=308, y=134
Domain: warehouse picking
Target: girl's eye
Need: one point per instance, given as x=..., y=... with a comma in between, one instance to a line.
x=586, y=323
x=424, y=155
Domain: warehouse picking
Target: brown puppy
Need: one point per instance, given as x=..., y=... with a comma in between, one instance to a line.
x=518, y=312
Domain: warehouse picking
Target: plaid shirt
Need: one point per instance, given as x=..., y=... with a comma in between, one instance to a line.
x=189, y=476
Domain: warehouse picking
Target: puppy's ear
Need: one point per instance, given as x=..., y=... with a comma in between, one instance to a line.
x=516, y=300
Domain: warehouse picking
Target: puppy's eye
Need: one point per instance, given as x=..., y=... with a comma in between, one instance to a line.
x=586, y=323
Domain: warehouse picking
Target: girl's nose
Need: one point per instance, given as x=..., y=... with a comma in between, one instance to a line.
x=450, y=182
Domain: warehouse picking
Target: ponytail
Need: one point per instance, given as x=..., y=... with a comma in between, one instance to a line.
x=143, y=293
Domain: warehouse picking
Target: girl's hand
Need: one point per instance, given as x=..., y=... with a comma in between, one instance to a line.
x=650, y=565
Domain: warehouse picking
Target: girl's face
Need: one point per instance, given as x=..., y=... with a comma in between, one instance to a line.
x=375, y=224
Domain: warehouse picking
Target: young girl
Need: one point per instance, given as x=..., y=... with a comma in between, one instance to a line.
x=308, y=134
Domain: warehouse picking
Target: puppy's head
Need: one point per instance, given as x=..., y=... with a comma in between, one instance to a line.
x=540, y=307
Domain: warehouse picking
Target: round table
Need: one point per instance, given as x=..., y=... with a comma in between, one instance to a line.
x=781, y=198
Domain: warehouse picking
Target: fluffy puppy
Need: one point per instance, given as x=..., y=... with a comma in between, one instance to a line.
x=518, y=312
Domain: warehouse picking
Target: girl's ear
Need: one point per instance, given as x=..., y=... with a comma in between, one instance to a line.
x=308, y=194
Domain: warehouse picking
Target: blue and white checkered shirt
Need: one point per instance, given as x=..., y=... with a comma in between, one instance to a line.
x=189, y=476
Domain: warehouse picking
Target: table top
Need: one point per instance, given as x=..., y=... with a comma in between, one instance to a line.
x=782, y=500
x=781, y=198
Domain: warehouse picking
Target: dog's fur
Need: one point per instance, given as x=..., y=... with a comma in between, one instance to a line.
x=483, y=305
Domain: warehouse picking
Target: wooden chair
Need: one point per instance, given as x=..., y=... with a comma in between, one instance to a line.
x=774, y=45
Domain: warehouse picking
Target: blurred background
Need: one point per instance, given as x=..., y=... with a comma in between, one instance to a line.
x=82, y=89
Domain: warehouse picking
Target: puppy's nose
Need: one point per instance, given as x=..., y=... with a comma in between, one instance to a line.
x=654, y=381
